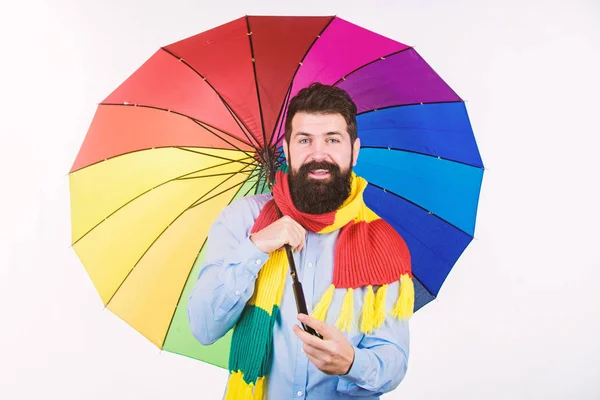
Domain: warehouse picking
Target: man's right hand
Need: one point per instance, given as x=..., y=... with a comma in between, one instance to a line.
x=283, y=231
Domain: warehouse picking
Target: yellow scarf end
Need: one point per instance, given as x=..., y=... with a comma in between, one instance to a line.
x=320, y=310
x=373, y=311
x=259, y=390
x=344, y=321
x=380, y=305
x=367, y=321
x=238, y=389
x=405, y=305
x=234, y=385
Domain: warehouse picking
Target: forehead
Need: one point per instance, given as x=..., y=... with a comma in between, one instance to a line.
x=318, y=124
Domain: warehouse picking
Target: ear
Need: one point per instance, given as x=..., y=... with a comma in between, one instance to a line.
x=286, y=151
x=355, y=151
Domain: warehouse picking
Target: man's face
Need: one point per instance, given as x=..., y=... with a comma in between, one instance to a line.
x=320, y=156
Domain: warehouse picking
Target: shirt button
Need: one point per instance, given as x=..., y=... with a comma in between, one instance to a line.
x=310, y=265
x=237, y=292
x=257, y=262
x=299, y=394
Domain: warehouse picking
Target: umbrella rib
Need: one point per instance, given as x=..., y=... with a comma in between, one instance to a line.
x=251, y=188
x=226, y=141
x=421, y=207
x=202, y=200
x=277, y=128
x=279, y=159
x=149, y=190
x=421, y=154
x=235, y=117
x=197, y=121
x=280, y=154
x=262, y=174
x=284, y=104
x=258, y=178
x=214, y=156
x=369, y=63
x=192, y=268
x=262, y=120
x=213, y=175
x=408, y=105
x=154, y=241
x=167, y=147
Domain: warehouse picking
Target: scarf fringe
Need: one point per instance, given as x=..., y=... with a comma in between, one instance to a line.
x=237, y=388
x=345, y=320
x=373, y=311
x=320, y=310
x=234, y=385
x=259, y=390
x=380, y=306
x=405, y=305
x=367, y=323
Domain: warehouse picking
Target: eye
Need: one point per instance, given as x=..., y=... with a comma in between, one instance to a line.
x=303, y=141
x=333, y=140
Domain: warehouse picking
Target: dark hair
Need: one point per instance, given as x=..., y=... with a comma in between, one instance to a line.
x=323, y=99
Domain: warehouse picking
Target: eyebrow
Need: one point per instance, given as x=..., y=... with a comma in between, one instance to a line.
x=333, y=133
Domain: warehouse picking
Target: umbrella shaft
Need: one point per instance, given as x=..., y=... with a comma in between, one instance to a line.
x=297, y=286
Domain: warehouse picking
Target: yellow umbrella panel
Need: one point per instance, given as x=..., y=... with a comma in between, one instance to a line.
x=140, y=218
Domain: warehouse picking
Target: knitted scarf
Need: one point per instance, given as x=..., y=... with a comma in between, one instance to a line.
x=369, y=252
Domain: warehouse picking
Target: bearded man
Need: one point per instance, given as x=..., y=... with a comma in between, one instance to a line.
x=354, y=268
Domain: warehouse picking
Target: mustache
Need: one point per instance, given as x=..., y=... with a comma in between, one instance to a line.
x=314, y=165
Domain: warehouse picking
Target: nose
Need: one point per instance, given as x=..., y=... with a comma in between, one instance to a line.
x=318, y=152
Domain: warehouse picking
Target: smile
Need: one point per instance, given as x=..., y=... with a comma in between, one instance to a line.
x=319, y=173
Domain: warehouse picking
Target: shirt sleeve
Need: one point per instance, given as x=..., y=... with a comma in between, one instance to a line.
x=226, y=279
x=380, y=359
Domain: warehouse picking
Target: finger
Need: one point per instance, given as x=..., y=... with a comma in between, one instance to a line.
x=298, y=240
x=325, y=330
x=295, y=230
x=293, y=241
x=292, y=238
x=295, y=237
x=302, y=243
x=314, y=352
x=299, y=228
x=309, y=339
x=291, y=224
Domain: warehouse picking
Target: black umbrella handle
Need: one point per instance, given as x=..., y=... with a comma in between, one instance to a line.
x=297, y=286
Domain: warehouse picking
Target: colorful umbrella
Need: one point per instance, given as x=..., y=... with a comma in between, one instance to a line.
x=200, y=124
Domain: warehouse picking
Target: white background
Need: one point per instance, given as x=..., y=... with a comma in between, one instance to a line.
x=516, y=319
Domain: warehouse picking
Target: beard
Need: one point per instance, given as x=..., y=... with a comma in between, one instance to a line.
x=313, y=196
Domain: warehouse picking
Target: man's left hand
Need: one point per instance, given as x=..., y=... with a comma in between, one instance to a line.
x=333, y=354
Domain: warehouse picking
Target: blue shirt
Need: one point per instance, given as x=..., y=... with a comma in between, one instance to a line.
x=226, y=283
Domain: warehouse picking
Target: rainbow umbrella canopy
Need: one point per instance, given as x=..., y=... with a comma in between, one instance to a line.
x=200, y=124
